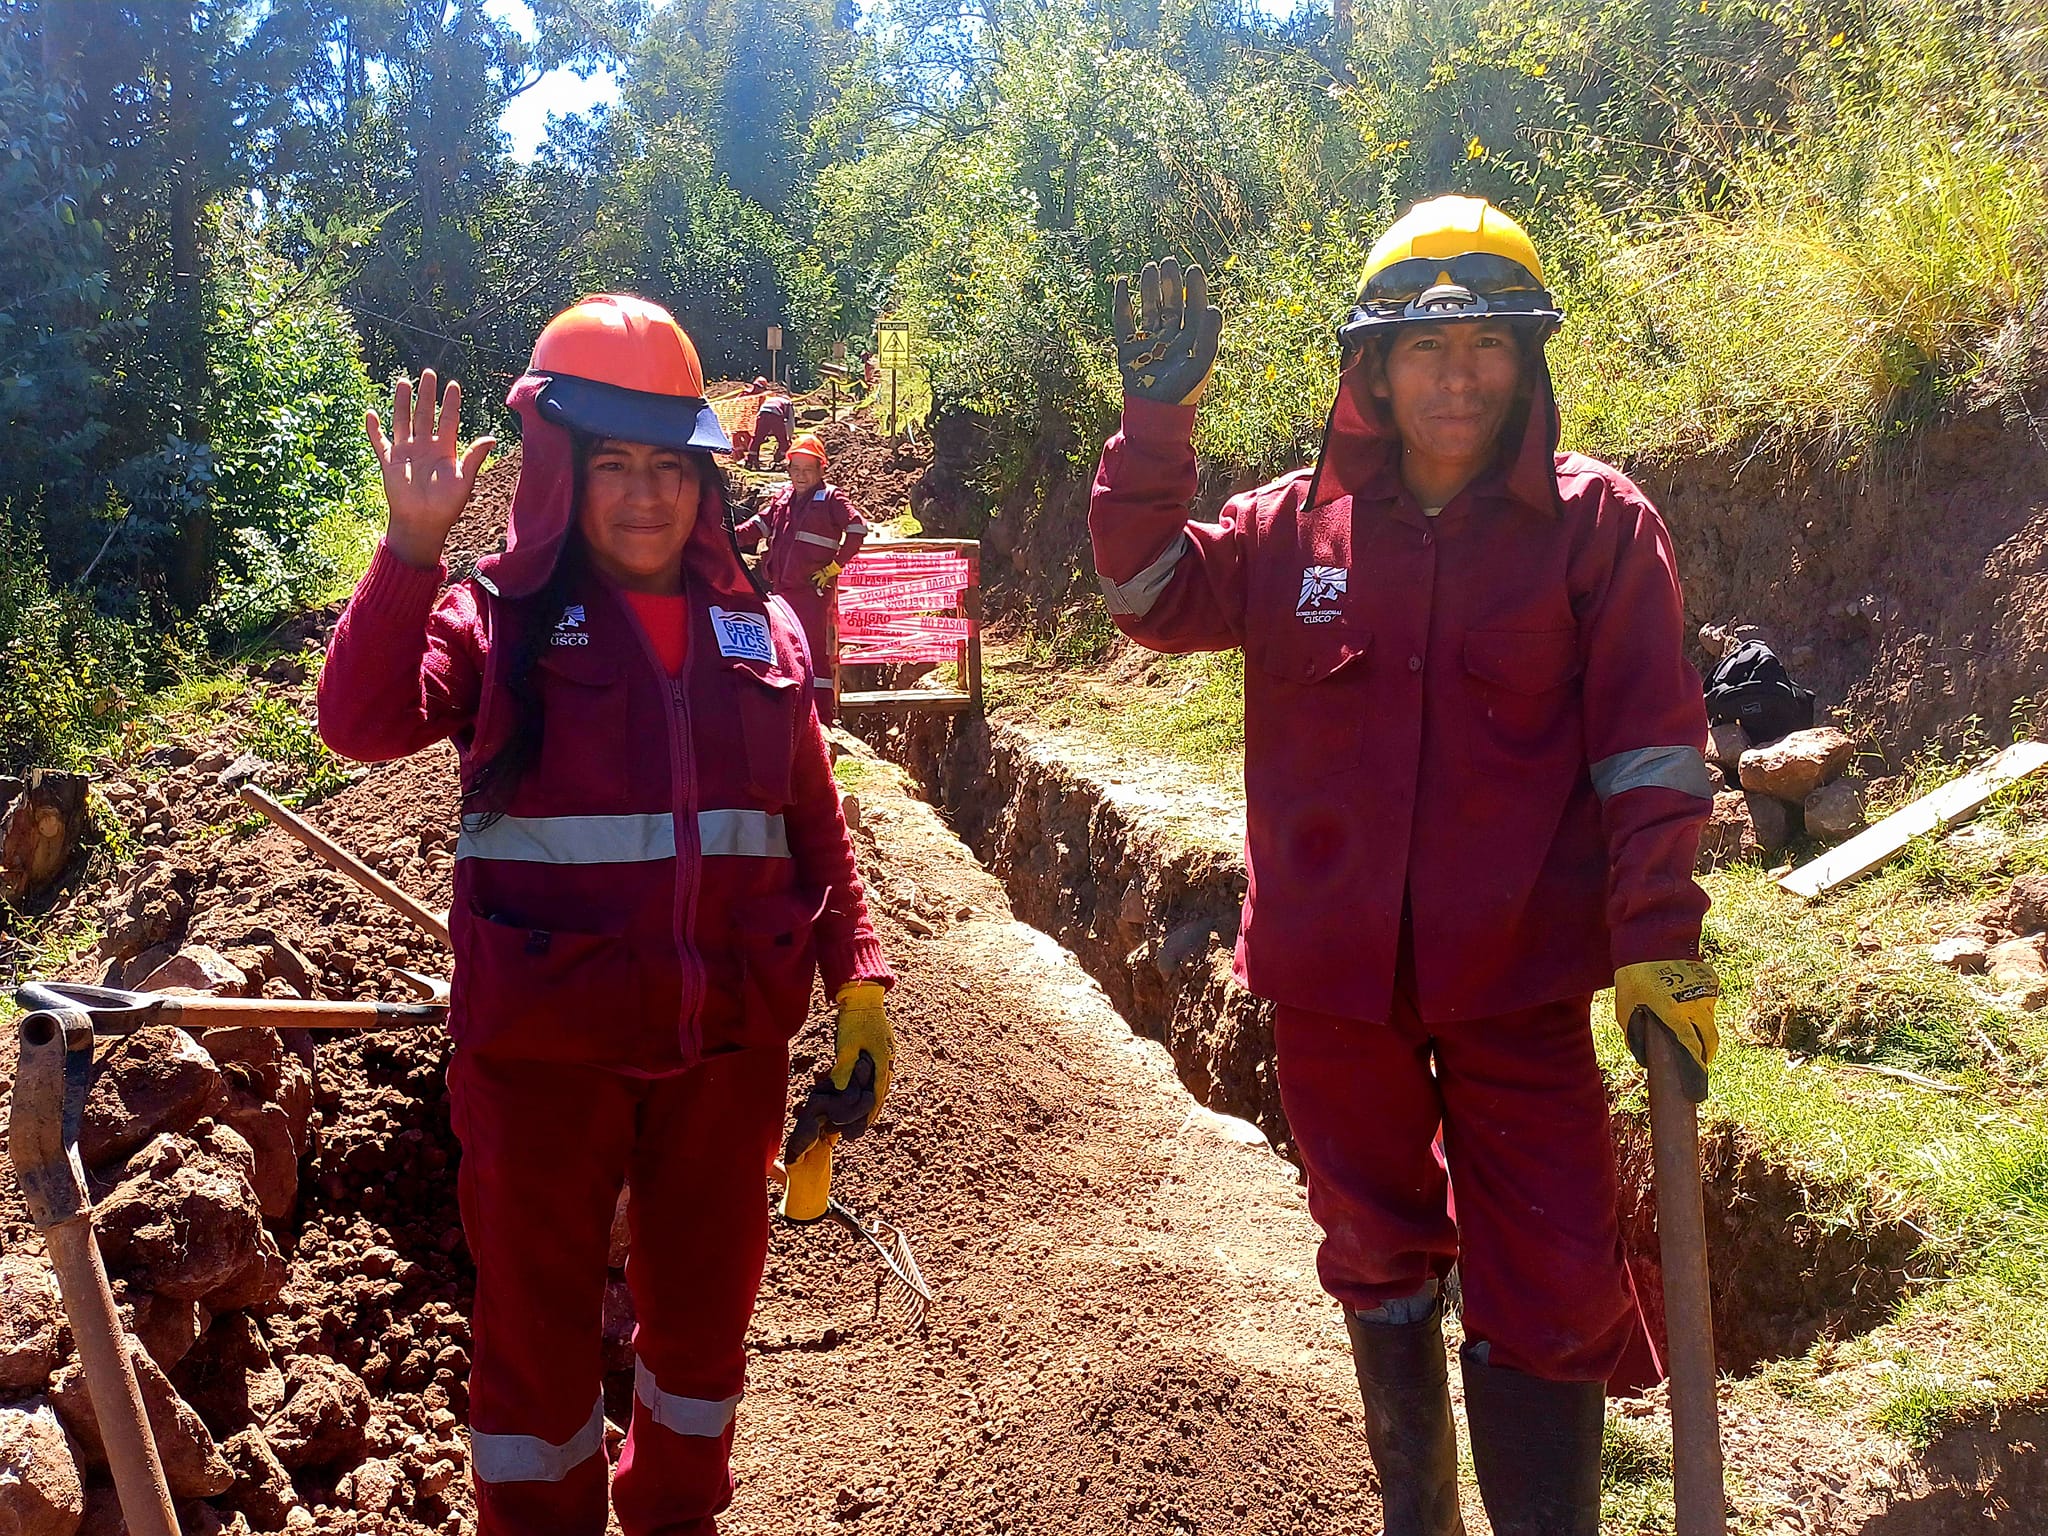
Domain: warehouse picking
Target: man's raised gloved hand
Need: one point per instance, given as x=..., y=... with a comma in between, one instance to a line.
x=1680, y=994
x=1166, y=346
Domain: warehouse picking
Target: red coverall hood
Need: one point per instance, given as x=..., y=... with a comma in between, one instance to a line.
x=544, y=510
x=1361, y=448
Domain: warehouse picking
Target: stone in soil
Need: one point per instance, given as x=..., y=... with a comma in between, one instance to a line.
x=230, y=1378
x=29, y=1320
x=40, y=1490
x=155, y=1080
x=2022, y=909
x=325, y=1413
x=1835, y=810
x=1729, y=834
x=1773, y=823
x=199, y=969
x=263, y=1488
x=183, y=1220
x=1966, y=953
x=1794, y=766
x=192, y=1461
x=1726, y=743
x=2018, y=965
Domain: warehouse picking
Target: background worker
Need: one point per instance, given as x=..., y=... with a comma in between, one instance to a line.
x=777, y=419
x=1474, y=790
x=652, y=870
x=812, y=532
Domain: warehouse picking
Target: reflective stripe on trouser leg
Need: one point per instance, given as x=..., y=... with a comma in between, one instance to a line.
x=700, y=1416
x=530, y=1459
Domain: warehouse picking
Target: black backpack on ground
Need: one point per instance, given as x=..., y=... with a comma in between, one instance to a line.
x=1752, y=688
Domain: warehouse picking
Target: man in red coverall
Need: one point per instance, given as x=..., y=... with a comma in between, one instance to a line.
x=812, y=531
x=1474, y=789
x=777, y=420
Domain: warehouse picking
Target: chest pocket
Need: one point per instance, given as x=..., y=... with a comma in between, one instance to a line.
x=1316, y=726
x=583, y=697
x=1519, y=678
x=766, y=704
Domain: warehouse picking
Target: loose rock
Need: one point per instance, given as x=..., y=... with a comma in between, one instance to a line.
x=2023, y=908
x=1729, y=834
x=153, y=1081
x=40, y=1490
x=1835, y=810
x=198, y=968
x=323, y=1421
x=1966, y=953
x=1774, y=823
x=29, y=1317
x=1794, y=766
x=1726, y=743
x=192, y=1462
x=183, y=1221
x=263, y=1489
x=230, y=1378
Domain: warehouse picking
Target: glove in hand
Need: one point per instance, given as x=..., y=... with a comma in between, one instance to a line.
x=824, y=579
x=1681, y=995
x=1166, y=347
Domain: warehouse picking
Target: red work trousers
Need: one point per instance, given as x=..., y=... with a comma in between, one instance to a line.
x=1523, y=1112
x=814, y=612
x=766, y=427
x=545, y=1148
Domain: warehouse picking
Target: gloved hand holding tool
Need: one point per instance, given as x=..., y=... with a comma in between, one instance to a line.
x=843, y=1103
x=1166, y=349
x=1667, y=1009
x=824, y=579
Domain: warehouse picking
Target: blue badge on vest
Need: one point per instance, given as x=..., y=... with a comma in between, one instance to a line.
x=744, y=635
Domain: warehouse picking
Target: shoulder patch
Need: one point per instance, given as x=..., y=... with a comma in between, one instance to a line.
x=744, y=635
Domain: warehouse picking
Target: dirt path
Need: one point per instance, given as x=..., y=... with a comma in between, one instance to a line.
x=1129, y=1335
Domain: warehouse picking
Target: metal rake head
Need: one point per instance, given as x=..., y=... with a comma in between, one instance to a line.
x=906, y=1281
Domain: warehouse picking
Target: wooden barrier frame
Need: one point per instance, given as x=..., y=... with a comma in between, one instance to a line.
x=968, y=662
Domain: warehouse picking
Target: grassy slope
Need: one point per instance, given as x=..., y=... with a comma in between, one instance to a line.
x=1849, y=976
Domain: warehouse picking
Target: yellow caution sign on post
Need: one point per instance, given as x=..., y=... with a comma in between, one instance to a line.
x=893, y=350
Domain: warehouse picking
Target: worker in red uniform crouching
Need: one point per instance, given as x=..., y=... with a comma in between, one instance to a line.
x=813, y=533
x=1474, y=790
x=777, y=419
x=651, y=871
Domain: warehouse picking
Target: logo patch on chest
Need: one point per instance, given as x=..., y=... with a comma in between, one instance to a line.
x=569, y=628
x=744, y=635
x=1322, y=593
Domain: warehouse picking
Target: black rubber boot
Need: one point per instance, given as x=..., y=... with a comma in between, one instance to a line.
x=1536, y=1449
x=1408, y=1426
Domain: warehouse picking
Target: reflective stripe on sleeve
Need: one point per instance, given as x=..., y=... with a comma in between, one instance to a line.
x=530, y=1459
x=1134, y=598
x=701, y=1416
x=817, y=538
x=619, y=839
x=1681, y=768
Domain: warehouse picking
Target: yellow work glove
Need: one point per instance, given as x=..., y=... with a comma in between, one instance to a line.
x=824, y=579
x=864, y=1029
x=808, y=1182
x=1679, y=994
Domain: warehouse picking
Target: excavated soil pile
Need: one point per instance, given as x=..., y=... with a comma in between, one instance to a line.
x=880, y=480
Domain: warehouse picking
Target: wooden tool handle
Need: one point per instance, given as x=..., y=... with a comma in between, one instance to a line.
x=283, y=1013
x=1702, y=1507
x=110, y=1379
x=338, y=857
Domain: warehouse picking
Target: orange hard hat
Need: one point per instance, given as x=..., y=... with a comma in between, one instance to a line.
x=808, y=443
x=621, y=367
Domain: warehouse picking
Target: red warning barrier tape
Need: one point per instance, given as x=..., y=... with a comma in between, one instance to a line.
x=900, y=606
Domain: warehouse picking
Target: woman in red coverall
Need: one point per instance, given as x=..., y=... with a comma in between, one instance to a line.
x=652, y=869
x=1474, y=787
x=813, y=533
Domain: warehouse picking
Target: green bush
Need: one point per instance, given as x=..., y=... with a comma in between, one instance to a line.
x=69, y=675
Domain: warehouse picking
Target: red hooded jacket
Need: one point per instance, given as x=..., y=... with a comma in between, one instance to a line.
x=804, y=536
x=1486, y=715
x=673, y=870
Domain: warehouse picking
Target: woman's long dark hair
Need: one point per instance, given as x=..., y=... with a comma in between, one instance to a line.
x=528, y=626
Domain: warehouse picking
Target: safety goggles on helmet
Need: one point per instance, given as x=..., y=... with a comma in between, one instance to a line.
x=1473, y=285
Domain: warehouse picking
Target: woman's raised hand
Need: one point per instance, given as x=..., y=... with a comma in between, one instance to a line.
x=427, y=475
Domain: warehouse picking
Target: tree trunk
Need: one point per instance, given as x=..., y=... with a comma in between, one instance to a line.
x=191, y=574
x=42, y=833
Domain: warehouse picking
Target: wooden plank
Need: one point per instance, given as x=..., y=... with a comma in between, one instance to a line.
x=1933, y=812
x=928, y=700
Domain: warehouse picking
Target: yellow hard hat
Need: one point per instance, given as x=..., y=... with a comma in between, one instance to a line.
x=1451, y=258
